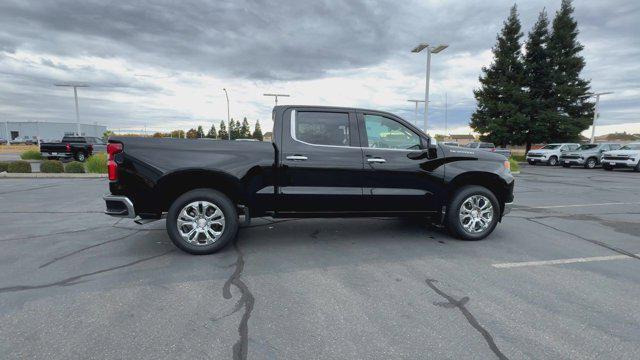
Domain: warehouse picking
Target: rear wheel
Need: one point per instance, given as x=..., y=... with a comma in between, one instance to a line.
x=202, y=221
x=80, y=156
x=473, y=213
x=553, y=161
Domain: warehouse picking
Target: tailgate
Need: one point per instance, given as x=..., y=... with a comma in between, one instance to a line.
x=53, y=147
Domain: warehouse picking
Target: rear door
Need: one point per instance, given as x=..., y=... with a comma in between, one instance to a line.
x=321, y=162
x=398, y=177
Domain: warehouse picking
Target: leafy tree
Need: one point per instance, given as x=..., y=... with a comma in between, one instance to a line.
x=157, y=135
x=192, y=134
x=200, y=132
x=222, y=133
x=245, y=130
x=537, y=66
x=573, y=111
x=257, y=132
x=106, y=134
x=177, y=134
x=501, y=100
x=212, y=134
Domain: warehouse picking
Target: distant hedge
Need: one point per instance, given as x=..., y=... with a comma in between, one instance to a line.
x=97, y=163
x=3, y=166
x=19, y=167
x=31, y=155
x=74, y=167
x=51, y=167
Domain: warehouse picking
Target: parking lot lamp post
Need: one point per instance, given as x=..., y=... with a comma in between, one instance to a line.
x=595, y=111
x=415, y=115
x=75, y=87
x=276, y=96
x=228, y=116
x=430, y=51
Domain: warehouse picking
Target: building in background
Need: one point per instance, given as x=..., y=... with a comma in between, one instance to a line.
x=461, y=139
x=46, y=130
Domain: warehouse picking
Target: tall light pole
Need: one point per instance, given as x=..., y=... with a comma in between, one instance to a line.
x=595, y=111
x=446, y=110
x=75, y=87
x=430, y=51
x=276, y=96
x=228, y=116
x=415, y=115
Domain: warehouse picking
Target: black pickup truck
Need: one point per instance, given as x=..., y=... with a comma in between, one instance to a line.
x=322, y=162
x=76, y=147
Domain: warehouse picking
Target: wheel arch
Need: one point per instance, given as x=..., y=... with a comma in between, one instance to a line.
x=491, y=181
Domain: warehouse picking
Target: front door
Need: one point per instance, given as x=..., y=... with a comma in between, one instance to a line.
x=321, y=162
x=398, y=176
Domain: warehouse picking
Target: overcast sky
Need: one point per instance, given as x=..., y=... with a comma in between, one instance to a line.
x=162, y=65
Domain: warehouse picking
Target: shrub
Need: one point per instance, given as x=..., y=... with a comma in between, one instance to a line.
x=97, y=163
x=74, y=167
x=19, y=167
x=514, y=164
x=520, y=158
x=51, y=166
x=3, y=166
x=31, y=155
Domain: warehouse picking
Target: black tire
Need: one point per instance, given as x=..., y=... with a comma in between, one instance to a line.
x=607, y=167
x=453, y=222
x=591, y=163
x=81, y=156
x=637, y=168
x=531, y=162
x=553, y=161
x=217, y=198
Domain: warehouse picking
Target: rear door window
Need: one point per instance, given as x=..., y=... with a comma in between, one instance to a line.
x=322, y=128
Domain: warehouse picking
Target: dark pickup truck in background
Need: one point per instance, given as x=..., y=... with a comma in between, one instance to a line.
x=76, y=147
x=323, y=162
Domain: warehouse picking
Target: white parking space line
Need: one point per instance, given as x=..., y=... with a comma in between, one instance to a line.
x=561, y=261
x=580, y=205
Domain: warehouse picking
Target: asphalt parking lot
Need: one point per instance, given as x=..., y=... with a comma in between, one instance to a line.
x=559, y=278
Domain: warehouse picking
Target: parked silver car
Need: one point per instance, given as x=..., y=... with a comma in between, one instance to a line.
x=587, y=155
x=550, y=154
x=627, y=156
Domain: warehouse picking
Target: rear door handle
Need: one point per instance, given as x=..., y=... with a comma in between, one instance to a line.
x=297, y=157
x=376, y=160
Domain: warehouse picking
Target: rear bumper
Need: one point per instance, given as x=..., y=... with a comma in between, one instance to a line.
x=119, y=206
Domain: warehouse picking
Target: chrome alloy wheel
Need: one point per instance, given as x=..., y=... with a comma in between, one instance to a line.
x=200, y=223
x=476, y=214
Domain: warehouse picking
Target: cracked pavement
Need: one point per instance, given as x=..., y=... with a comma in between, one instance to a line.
x=76, y=284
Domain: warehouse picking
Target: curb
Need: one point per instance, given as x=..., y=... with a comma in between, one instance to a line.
x=51, y=176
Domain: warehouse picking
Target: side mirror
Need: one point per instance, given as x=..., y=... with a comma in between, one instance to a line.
x=432, y=148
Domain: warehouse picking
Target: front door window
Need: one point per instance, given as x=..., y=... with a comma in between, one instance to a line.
x=385, y=133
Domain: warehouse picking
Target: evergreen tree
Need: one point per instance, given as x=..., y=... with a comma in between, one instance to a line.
x=257, y=133
x=501, y=100
x=200, y=132
x=222, y=133
x=539, y=83
x=573, y=111
x=212, y=134
x=234, y=129
x=245, y=130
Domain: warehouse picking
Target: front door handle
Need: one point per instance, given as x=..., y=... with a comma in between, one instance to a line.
x=376, y=160
x=297, y=157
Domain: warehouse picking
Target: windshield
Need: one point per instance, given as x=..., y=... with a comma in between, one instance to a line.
x=551, y=146
x=587, y=146
x=630, y=147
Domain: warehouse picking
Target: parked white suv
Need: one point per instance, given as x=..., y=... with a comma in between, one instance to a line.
x=550, y=154
x=626, y=156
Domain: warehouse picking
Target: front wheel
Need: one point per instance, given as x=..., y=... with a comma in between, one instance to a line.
x=202, y=221
x=591, y=163
x=553, y=161
x=473, y=213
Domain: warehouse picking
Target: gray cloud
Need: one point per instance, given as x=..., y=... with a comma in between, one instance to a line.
x=294, y=40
